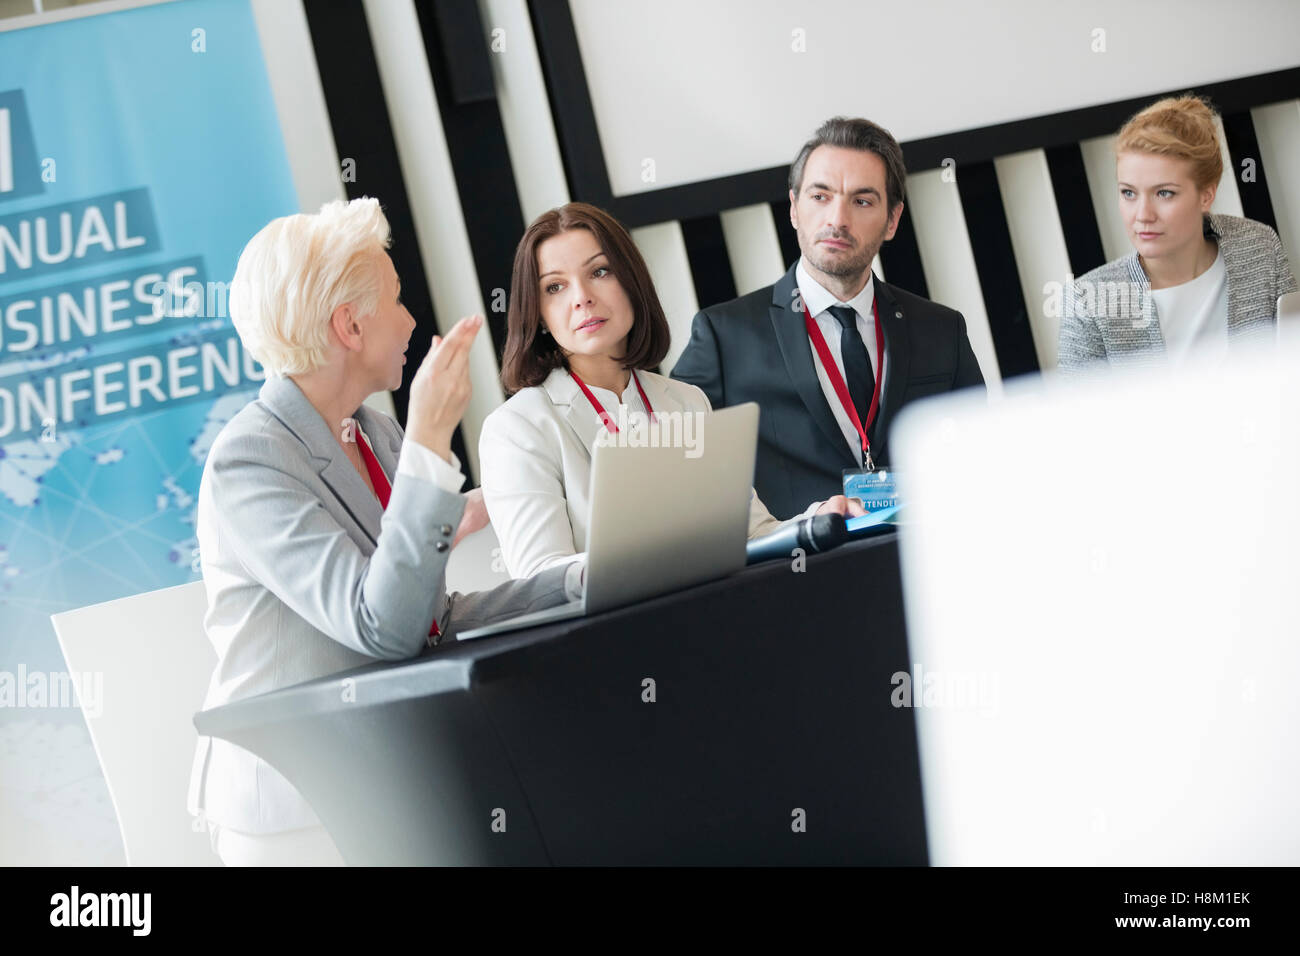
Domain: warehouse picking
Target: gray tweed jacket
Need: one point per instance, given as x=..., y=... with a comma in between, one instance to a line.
x=1110, y=316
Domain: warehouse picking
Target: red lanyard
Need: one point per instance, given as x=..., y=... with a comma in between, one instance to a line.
x=383, y=490
x=600, y=409
x=837, y=380
x=377, y=477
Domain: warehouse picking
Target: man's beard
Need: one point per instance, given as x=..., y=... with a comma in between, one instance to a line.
x=847, y=268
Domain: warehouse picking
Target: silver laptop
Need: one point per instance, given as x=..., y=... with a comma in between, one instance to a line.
x=662, y=518
x=1100, y=585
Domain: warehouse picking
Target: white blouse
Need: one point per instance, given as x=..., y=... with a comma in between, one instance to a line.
x=1194, y=315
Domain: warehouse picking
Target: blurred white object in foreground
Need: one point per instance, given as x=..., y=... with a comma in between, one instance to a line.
x=1115, y=566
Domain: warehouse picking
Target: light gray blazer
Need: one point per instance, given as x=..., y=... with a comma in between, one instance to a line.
x=307, y=575
x=1110, y=314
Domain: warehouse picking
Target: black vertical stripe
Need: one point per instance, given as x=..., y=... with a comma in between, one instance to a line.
x=570, y=101
x=460, y=30
x=1074, y=205
x=990, y=239
x=785, y=234
x=354, y=98
x=706, y=248
x=476, y=141
x=901, y=258
x=1239, y=130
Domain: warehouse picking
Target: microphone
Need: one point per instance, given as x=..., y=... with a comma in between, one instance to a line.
x=812, y=534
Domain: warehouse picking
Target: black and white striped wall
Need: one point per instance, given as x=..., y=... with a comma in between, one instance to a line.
x=467, y=119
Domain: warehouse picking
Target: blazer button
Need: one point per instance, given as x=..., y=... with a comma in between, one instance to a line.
x=446, y=530
x=441, y=546
x=898, y=315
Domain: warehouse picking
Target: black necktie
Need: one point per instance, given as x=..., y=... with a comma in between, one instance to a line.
x=857, y=366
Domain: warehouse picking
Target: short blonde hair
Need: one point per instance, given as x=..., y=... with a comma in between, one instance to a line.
x=296, y=271
x=1181, y=127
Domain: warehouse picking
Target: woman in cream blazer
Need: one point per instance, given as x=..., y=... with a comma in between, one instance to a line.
x=535, y=457
x=583, y=313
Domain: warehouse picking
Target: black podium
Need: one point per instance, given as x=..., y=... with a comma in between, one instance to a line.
x=770, y=738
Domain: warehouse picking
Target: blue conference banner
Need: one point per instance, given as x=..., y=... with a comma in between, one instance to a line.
x=139, y=151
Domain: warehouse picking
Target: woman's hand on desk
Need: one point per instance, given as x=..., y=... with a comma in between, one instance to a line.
x=840, y=505
x=440, y=389
x=475, y=516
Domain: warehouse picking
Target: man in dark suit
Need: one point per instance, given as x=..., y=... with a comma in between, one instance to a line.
x=809, y=349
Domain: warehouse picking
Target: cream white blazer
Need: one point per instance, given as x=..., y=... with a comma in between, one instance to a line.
x=535, y=462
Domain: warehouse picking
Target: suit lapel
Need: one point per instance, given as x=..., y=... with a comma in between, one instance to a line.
x=1238, y=317
x=792, y=336
x=577, y=411
x=386, y=448
x=656, y=389
x=1121, y=333
x=898, y=351
x=286, y=401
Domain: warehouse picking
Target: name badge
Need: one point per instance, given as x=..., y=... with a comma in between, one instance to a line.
x=875, y=490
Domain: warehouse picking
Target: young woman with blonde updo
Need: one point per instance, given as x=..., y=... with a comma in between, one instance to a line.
x=1195, y=279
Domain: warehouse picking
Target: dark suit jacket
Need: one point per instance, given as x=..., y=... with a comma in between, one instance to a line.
x=756, y=349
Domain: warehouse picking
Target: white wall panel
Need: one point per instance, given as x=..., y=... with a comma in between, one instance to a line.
x=664, y=250
x=525, y=109
x=949, y=263
x=753, y=247
x=435, y=203
x=1277, y=127
x=1037, y=240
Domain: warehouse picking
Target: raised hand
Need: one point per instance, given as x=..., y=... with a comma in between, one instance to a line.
x=440, y=389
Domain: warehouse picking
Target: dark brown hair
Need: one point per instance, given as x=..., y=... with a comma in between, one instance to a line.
x=860, y=134
x=531, y=356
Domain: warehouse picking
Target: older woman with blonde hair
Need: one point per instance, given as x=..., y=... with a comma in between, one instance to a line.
x=1195, y=279
x=323, y=528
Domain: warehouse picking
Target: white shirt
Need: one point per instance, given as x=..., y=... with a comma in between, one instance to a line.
x=819, y=302
x=610, y=401
x=417, y=461
x=1194, y=315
